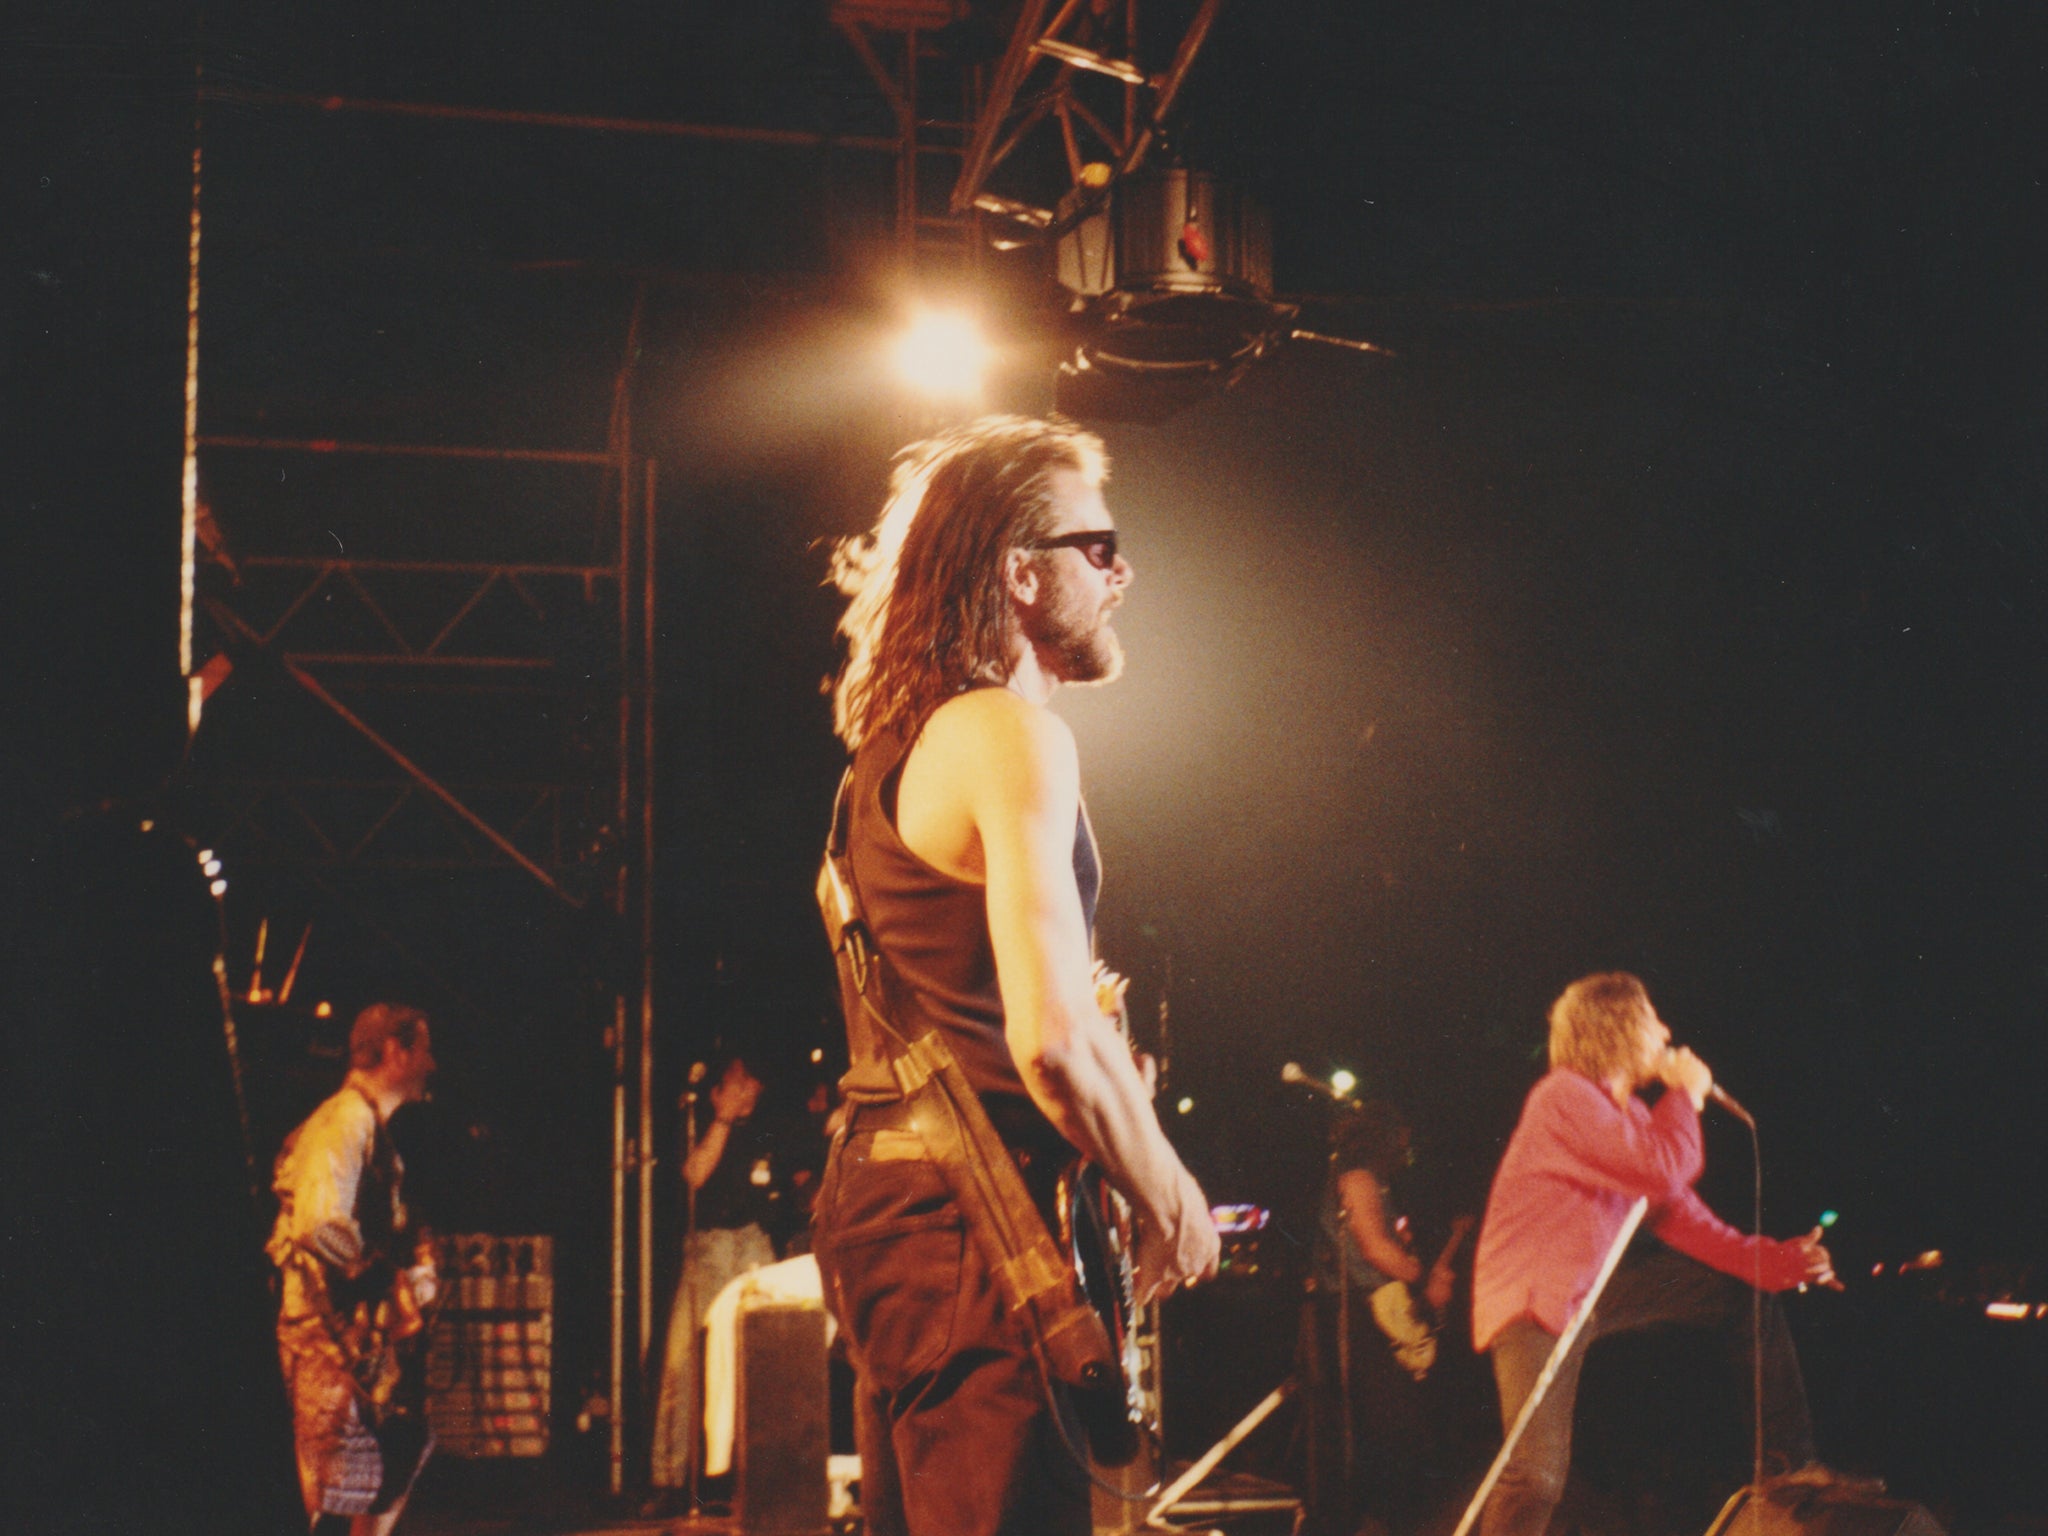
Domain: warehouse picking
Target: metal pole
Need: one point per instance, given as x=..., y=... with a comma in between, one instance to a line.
x=1344, y=1333
x=626, y=1152
x=425, y=780
x=906, y=158
x=1218, y=1451
x=188, y=536
x=717, y=132
x=648, y=1161
x=617, y=1041
x=692, y=1453
x=1558, y=1353
x=408, y=450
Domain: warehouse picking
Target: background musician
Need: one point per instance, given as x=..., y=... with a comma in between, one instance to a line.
x=354, y=1283
x=1372, y=1332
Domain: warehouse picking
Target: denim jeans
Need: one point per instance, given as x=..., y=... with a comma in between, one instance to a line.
x=958, y=1435
x=1663, y=1287
x=713, y=1257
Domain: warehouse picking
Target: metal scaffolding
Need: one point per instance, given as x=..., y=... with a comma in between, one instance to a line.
x=379, y=688
x=466, y=681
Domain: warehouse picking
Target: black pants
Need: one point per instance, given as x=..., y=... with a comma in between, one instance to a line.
x=1392, y=1422
x=956, y=1431
x=1661, y=1288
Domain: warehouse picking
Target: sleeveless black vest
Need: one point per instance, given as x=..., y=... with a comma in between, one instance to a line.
x=934, y=931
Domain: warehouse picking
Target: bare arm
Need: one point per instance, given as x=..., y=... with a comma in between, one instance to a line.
x=730, y=1102
x=1024, y=802
x=703, y=1159
x=1365, y=1215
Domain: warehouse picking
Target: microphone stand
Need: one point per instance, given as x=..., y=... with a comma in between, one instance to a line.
x=1558, y=1354
x=1344, y=1341
x=694, y=1452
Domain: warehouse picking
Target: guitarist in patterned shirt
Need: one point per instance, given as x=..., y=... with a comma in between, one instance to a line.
x=353, y=1283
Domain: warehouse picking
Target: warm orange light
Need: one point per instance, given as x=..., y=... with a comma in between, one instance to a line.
x=323, y=1010
x=2014, y=1310
x=943, y=354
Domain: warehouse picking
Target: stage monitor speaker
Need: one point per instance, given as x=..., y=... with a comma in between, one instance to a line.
x=1820, y=1512
x=782, y=1410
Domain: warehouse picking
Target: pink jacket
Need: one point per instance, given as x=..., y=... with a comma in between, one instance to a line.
x=1573, y=1167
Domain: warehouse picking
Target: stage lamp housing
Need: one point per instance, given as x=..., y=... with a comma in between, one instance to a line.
x=1172, y=280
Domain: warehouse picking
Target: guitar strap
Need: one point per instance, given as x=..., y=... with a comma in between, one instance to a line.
x=947, y=1115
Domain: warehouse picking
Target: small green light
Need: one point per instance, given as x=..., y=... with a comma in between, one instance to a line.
x=1829, y=1218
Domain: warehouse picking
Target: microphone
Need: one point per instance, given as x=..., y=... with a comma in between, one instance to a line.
x=1721, y=1096
x=1726, y=1100
x=1292, y=1073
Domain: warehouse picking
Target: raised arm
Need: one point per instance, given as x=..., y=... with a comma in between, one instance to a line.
x=1657, y=1156
x=731, y=1101
x=1025, y=804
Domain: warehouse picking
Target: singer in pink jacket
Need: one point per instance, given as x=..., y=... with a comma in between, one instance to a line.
x=1586, y=1147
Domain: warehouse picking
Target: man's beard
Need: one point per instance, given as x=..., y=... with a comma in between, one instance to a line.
x=1076, y=644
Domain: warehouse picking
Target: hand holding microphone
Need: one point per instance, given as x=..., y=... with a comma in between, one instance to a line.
x=1679, y=1068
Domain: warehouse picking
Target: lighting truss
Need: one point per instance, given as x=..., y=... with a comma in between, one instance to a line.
x=1076, y=72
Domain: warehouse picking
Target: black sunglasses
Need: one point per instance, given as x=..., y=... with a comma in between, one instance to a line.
x=1097, y=545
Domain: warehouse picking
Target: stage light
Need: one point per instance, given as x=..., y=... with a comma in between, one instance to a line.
x=1343, y=1082
x=817, y=1056
x=1186, y=1106
x=943, y=354
x=219, y=887
x=2013, y=1311
x=1829, y=1218
x=205, y=854
x=323, y=1010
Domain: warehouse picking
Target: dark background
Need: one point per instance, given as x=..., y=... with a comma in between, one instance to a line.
x=1670, y=601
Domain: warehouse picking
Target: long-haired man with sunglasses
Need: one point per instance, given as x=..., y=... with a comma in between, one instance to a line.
x=991, y=578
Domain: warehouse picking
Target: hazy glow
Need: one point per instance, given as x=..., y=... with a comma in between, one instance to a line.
x=1186, y=1106
x=943, y=354
x=1343, y=1081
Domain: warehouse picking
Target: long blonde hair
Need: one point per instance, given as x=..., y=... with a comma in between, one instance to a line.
x=928, y=614
x=1593, y=1024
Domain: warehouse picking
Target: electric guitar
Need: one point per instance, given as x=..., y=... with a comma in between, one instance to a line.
x=1097, y=1233
x=1411, y=1326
